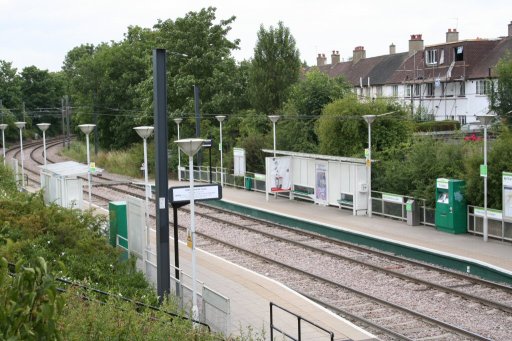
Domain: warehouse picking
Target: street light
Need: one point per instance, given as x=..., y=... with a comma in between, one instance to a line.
x=178, y=121
x=3, y=126
x=86, y=129
x=369, y=119
x=485, y=120
x=145, y=132
x=221, y=118
x=191, y=147
x=44, y=127
x=20, y=126
x=274, y=119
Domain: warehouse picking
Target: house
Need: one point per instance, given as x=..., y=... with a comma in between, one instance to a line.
x=450, y=80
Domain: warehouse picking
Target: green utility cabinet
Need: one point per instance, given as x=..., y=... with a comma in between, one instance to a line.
x=451, y=207
x=118, y=223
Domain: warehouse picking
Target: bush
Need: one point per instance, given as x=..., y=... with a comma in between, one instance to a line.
x=431, y=126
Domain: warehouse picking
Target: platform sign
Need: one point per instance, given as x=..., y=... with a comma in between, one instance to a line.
x=483, y=171
x=397, y=199
x=181, y=194
x=507, y=195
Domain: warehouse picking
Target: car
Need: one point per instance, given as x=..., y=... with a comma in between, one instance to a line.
x=472, y=127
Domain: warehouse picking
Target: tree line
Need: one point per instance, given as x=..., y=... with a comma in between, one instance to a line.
x=111, y=84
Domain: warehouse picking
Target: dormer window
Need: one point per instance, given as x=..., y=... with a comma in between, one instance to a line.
x=459, y=53
x=431, y=56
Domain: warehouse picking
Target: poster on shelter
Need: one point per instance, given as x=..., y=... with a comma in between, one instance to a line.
x=280, y=174
x=507, y=196
x=321, y=183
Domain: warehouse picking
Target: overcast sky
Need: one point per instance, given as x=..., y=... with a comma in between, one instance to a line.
x=41, y=32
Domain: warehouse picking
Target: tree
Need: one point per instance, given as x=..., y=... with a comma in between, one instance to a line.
x=306, y=101
x=342, y=130
x=501, y=98
x=10, y=86
x=275, y=68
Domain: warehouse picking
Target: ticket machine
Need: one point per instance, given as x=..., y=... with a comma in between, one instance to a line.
x=451, y=207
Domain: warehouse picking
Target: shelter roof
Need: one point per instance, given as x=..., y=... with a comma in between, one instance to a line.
x=316, y=156
x=67, y=169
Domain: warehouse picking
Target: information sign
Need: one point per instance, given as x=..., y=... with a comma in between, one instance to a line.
x=483, y=171
x=507, y=195
x=181, y=194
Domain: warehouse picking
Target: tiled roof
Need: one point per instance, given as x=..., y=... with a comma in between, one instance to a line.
x=478, y=56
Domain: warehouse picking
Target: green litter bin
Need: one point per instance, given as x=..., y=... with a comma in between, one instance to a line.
x=248, y=184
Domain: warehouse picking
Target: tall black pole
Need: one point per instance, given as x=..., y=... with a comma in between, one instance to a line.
x=176, y=249
x=161, y=177
x=198, y=123
x=96, y=137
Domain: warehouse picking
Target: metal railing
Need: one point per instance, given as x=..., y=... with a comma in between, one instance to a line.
x=497, y=228
x=300, y=327
x=394, y=206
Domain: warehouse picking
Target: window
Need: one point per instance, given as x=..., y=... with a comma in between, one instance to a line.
x=379, y=91
x=462, y=89
x=431, y=56
x=408, y=90
x=483, y=87
x=459, y=53
x=441, y=58
x=395, y=90
x=417, y=90
x=430, y=89
x=462, y=119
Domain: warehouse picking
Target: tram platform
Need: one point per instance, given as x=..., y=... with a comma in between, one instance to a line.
x=251, y=293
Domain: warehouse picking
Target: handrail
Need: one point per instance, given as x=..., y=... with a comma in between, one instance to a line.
x=299, y=319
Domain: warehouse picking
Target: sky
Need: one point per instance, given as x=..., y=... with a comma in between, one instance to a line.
x=41, y=32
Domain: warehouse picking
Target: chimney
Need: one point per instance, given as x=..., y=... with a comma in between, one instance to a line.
x=358, y=54
x=415, y=44
x=452, y=35
x=392, y=49
x=335, y=57
x=510, y=29
x=321, y=59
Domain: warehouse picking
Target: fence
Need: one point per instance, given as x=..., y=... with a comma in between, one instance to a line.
x=394, y=206
x=213, y=308
x=496, y=226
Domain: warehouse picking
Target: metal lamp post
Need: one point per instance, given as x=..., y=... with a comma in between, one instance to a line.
x=221, y=118
x=20, y=126
x=3, y=126
x=178, y=121
x=87, y=129
x=485, y=120
x=191, y=147
x=369, y=119
x=44, y=127
x=145, y=132
x=274, y=119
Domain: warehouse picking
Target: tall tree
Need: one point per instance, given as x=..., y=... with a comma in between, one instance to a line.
x=501, y=99
x=10, y=86
x=275, y=68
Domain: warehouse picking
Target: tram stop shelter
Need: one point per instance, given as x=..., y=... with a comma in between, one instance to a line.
x=62, y=185
x=322, y=179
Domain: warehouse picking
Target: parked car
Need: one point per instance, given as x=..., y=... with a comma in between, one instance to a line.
x=472, y=127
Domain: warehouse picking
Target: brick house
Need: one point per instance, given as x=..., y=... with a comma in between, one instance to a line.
x=450, y=80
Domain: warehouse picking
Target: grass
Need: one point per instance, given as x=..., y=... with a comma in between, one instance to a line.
x=125, y=162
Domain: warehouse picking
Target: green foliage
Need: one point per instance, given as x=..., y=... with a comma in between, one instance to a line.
x=342, y=130
x=430, y=126
x=275, y=68
x=10, y=86
x=119, y=320
x=501, y=96
x=30, y=306
x=414, y=169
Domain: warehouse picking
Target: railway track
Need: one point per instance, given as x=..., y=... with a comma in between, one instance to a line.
x=396, y=317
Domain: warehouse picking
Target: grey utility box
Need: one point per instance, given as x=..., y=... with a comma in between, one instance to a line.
x=413, y=212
